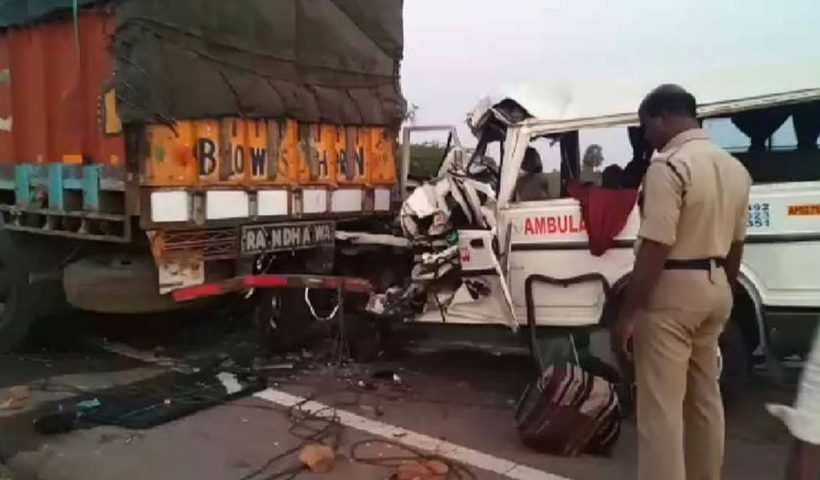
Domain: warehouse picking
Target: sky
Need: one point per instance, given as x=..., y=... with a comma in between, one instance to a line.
x=457, y=51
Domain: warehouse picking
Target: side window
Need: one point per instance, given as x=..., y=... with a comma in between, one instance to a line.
x=539, y=177
x=427, y=151
x=605, y=152
x=776, y=145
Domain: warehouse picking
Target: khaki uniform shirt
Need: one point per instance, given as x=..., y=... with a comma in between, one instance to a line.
x=695, y=198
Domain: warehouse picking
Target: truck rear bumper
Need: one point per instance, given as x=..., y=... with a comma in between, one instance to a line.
x=236, y=284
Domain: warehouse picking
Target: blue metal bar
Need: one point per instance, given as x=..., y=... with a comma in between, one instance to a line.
x=91, y=187
x=56, y=195
x=22, y=184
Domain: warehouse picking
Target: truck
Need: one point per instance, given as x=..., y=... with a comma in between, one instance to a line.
x=156, y=154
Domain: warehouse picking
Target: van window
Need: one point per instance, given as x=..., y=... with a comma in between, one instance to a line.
x=604, y=150
x=776, y=145
x=539, y=177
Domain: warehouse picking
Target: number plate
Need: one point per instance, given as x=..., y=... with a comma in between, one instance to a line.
x=287, y=236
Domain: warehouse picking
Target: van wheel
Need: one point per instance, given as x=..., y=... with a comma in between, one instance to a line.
x=736, y=371
x=17, y=311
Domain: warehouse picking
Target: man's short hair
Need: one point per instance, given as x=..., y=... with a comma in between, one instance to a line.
x=669, y=99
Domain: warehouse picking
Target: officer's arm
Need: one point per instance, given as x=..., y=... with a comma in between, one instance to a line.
x=648, y=267
x=733, y=262
x=663, y=198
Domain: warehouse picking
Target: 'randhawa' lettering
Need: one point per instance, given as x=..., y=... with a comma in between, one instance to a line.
x=255, y=240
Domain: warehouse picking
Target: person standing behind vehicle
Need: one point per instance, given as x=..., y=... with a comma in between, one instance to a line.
x=680, y=296
x=803, y=421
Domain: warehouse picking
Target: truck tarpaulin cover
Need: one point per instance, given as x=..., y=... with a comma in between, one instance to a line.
x=19, y=12
x=334, y=61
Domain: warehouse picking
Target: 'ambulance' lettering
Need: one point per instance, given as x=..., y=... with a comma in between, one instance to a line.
x=557, y=224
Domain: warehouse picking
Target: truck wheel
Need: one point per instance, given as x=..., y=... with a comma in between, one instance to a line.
x=17, y=310
x=735, y=374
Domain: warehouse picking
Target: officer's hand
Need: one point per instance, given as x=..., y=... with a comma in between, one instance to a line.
x=624, y=330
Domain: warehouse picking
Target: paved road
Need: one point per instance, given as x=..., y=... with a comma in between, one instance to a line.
x=454, y=399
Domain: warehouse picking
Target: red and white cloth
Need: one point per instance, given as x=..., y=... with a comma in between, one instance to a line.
x=605, y=212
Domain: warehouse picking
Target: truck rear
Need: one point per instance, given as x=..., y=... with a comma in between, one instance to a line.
x=148, y=147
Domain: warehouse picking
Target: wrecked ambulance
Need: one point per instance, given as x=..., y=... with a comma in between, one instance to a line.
x=560, y=263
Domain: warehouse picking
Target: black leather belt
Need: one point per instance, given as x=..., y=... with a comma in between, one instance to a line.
x=696, y=264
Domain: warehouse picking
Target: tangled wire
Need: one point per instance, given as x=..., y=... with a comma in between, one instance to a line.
x=323, y=426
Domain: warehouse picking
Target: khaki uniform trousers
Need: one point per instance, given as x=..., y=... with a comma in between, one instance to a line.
x=679, y=407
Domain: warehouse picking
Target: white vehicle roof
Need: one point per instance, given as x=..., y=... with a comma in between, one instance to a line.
x=560, y=106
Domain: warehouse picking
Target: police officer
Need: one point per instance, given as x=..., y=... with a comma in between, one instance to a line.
x=680, y=297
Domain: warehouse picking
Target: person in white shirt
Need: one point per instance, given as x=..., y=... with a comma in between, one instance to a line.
x=803, y=420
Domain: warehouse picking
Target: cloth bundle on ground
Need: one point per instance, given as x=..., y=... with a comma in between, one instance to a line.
x=569, y=411
x=605, y=212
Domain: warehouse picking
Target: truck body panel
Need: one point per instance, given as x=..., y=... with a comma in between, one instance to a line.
x=70, y=166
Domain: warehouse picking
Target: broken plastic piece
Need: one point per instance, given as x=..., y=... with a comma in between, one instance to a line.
x=318, y=458
x=89, y=404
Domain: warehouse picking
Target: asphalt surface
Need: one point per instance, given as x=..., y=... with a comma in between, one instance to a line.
x=460, y=397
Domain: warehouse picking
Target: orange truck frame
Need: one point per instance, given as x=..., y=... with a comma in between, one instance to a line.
x=121, y=217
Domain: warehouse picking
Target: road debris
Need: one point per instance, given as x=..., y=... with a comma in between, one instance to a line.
x=89, y=404
x=428, y=470
x=372, y=410
x=142, y=355
x=16, y=398
x=318, y=458
x=276, y=366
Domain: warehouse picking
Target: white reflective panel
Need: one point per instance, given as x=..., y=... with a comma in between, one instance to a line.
x=221, y=204
x=270, y=203
x=382, y=199
x=170, y=206
x=314, y=200
x=349, y=200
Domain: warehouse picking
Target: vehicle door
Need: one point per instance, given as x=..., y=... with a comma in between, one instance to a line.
x=480, y=294
x=549, y=263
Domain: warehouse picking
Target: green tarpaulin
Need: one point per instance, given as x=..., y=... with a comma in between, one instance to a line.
x=19, y=12
x=333, y=61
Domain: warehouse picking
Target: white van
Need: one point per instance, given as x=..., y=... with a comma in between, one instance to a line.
x=535, y=261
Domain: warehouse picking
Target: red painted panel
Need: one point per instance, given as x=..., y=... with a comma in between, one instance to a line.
x=6, y=139
x=55, y=89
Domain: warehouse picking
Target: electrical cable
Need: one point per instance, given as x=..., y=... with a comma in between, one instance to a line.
x=455, y=470
x=313, y=313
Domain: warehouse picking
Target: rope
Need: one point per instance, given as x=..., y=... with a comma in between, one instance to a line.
x=313, y=313
x=455, y=471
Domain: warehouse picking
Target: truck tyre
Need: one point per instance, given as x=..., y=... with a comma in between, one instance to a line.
x=18, y=309
x=735, y=375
